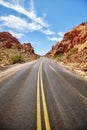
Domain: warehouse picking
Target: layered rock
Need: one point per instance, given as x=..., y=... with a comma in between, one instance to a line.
x=28, y=48
x=76, y=36
x=8, y=41
x=10, y=46
x=73, y=47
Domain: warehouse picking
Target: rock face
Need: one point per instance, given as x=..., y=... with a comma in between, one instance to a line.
x=76, y=36
x=73, y=47
x=10, y=46
x=8, y=41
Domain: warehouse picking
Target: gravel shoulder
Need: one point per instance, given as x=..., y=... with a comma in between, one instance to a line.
x=70, y=67
x=5, y=72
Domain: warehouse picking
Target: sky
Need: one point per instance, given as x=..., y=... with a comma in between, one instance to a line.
x=41, y=22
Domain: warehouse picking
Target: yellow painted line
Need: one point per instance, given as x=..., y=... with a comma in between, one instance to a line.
x=46, y=117
x=39, y=126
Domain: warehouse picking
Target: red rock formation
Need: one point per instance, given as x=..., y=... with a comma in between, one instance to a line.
x=7, y=35
x=28, y=48
x=10, y=42
x=77, y=35
x=10, y=46
x=73, y=47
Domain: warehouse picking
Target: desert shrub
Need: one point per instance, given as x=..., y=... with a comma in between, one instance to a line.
x=71, y=51
x=59, y=56
x=16, y=59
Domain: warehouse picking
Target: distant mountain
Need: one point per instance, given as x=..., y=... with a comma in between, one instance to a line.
x=73, y=47
x=10, y=48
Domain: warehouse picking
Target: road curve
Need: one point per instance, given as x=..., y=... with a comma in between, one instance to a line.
x=42, y=95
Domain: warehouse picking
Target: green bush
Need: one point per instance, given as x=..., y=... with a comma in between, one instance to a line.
x=71, y=51
x=16, y=59
x=59, y=56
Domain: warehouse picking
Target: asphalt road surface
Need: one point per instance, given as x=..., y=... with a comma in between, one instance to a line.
x=43, y=96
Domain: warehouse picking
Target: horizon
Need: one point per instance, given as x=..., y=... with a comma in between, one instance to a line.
x=43, y=24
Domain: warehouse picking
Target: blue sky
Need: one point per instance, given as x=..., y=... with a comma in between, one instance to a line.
x=41, y=22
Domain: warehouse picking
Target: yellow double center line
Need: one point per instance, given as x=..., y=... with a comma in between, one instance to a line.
x=46, y=118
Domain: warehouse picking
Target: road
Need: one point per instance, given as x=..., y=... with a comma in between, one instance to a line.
x=43, y=95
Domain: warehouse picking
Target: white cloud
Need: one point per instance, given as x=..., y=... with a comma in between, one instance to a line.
x=47, y=32
x=36, y=43
x=56, y=39
x=31, y=14
x=61, y=34
x=13, y=22
x=34, y=26
x=19, y=24
x=32, y=5
x=17, y=35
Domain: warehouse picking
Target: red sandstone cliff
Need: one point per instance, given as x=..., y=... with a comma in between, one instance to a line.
x=73, y=47
x=76, y=36
x=10, y=46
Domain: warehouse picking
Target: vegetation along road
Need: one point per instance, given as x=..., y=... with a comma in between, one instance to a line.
x=42, y=95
